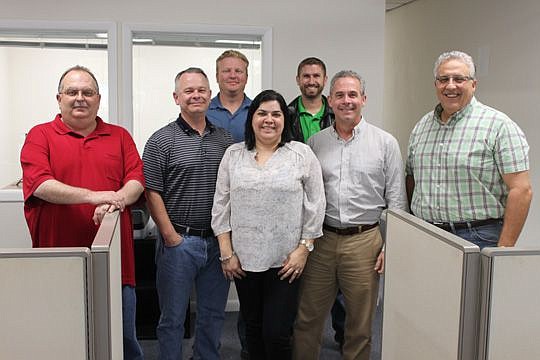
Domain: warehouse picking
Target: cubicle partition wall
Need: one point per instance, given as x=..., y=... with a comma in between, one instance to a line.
x=63, y=303
x=45, y=312
x=510, y=311
x=430, y=292
x=107, y=290
x=15, y=232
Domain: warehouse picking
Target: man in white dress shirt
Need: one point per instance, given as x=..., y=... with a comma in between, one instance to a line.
x=363, y=175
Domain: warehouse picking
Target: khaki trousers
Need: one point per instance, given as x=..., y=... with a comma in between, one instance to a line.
x=346, y=262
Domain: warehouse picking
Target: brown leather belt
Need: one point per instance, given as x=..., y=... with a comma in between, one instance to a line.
x=463, y=225
x=350, y=230
x=181, y=229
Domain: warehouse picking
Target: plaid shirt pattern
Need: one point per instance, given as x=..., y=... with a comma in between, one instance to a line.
x=458, y=166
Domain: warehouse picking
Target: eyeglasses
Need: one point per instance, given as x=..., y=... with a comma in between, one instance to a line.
x=458, y=79
x=85, y=92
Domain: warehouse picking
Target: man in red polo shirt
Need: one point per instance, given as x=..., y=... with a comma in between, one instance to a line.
x=76, y=168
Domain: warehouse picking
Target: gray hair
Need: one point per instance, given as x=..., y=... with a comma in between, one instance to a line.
x=455, y=55
x=190, y=70
x=348, y=74
x=77, y=68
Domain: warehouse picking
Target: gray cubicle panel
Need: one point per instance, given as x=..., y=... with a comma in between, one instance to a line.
x=430, y=292
x=15, y=232
x=107, y=290
x=510, y=312
x=44, y=308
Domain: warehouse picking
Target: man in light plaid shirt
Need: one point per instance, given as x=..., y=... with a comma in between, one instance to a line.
x=468, y=165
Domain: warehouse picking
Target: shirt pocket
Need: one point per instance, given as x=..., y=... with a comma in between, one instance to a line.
x=113, y=168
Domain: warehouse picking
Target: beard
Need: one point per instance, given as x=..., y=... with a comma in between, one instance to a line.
x=311, y=92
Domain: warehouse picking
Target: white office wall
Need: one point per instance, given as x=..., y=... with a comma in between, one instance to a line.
x=5, y=143
x=502, y=37
x=345, y=34
x=28, y=95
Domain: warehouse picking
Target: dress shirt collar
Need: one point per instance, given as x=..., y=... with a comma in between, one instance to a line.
x=357, y=130
x=457, y=116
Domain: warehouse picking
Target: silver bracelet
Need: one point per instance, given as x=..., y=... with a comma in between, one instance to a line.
x=225, y=258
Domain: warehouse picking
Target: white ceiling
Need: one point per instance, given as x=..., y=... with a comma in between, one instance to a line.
x=392, y=4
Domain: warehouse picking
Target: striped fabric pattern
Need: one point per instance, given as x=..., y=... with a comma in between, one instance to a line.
x=182, y=166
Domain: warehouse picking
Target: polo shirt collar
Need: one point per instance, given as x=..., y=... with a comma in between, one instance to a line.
x=302, y=109
x=456, y=116
x=185, y=127
x=215, y=103
x=61, y=128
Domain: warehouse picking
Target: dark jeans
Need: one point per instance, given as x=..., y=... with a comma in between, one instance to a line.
x=268, y=306
x=483, y=236
x=132, y=349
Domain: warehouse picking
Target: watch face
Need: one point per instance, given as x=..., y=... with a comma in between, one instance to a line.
x=309, y=245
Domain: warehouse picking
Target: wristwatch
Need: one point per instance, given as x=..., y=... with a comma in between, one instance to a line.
x=308, y=244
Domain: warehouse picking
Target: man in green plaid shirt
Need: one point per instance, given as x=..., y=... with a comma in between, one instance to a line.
x=468, y=165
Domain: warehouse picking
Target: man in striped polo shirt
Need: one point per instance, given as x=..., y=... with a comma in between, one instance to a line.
x=181, y=162
x=468, y=166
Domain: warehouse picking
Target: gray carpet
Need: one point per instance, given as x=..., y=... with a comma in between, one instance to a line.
x=230, y=348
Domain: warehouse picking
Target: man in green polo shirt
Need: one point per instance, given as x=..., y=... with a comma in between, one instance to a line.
x=310, y=111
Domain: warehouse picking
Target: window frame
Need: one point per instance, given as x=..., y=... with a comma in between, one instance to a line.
x=126, y=110
x=65, y=27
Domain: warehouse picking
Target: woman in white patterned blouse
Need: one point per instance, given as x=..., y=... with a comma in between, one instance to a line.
x=268, y=210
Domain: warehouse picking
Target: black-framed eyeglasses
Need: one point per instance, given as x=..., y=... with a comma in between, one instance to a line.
x=457, y=79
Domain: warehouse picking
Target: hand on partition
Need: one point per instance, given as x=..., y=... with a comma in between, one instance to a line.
x=100, y=211
x=107, y=197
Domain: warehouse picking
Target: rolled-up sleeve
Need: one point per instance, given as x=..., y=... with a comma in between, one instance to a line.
x=314, y=204
x=221, y=209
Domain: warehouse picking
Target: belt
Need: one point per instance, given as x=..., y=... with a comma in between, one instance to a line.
x=350, y=230
x=463, y=225
x=181, y=229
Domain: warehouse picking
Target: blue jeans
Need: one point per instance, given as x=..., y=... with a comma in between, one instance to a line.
x=194, y=261
x=483, y=236
x=132, y=349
